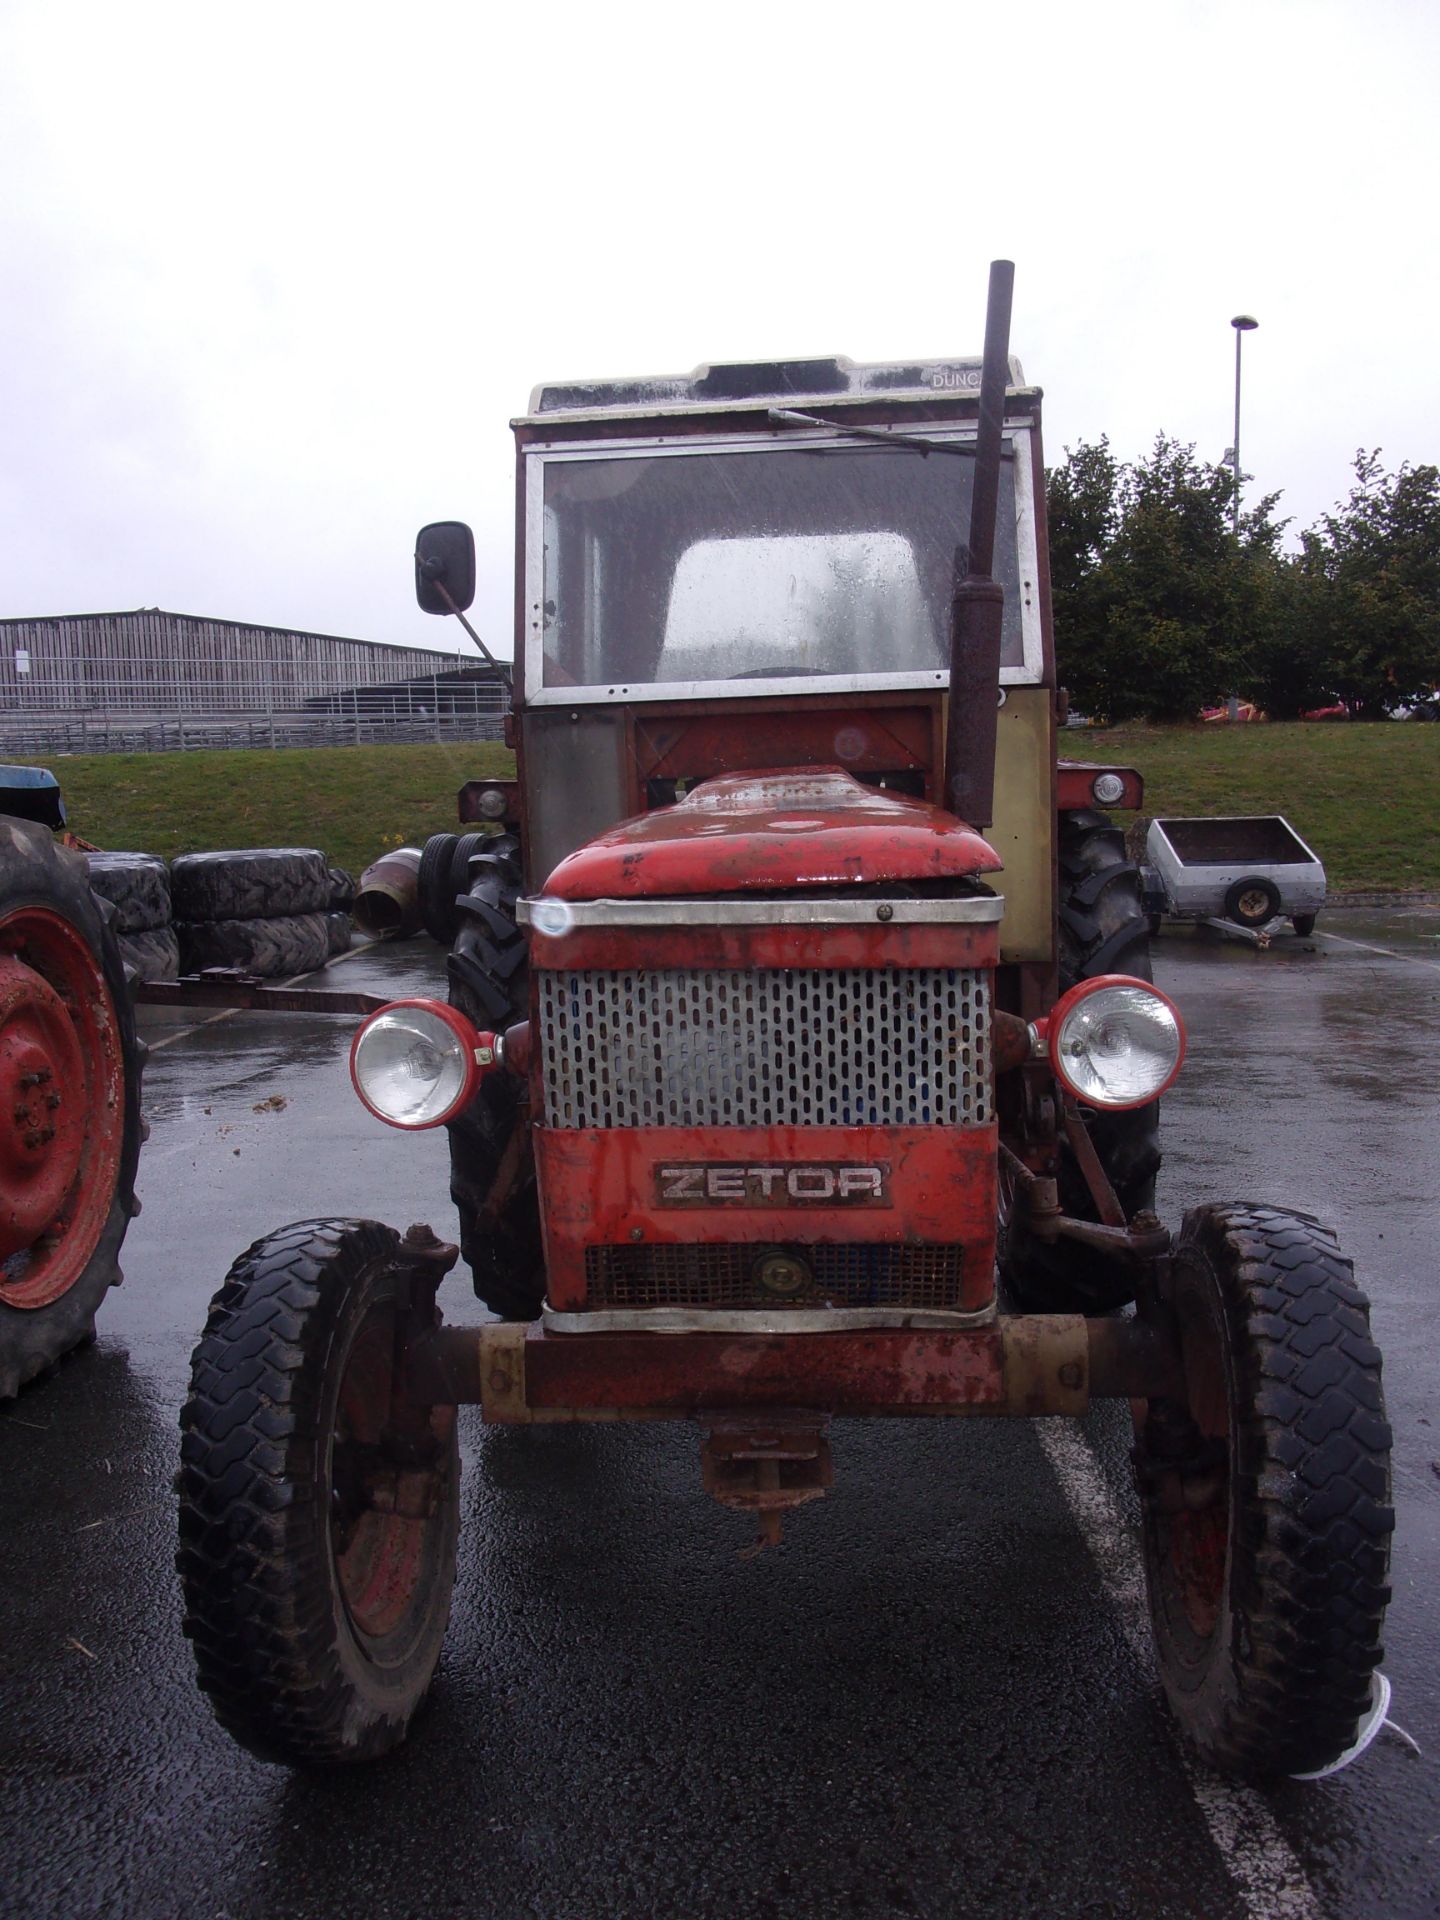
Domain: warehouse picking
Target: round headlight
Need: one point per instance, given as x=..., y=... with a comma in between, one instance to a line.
x=491, y=804
x=1108, y=788
x=413, y=1063
x=1116, y=1042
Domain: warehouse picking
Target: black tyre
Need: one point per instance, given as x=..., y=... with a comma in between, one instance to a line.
x=252, y=883
x=270, y=949
x=1104, y=928
x=337, y=933
x=1303, y=923
x=489, y=982
x=342, y=890
x=70, y=1125
x=153, y=954
x=1252, y=902
x=318, y=1522
x=1266, y=1498
x=434, y=889
x=466, y=848
x=137, y=885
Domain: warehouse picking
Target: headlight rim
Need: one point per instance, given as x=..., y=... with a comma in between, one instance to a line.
x=464, y=1031
x=1067, y=1004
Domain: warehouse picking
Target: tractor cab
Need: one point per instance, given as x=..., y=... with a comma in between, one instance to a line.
x=752, y=568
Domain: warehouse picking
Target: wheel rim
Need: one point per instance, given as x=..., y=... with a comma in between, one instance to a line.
x=1254, y=904
x=1194, y=1540
x=381, y=1554
x=1199, y=1539
x=62, y=1106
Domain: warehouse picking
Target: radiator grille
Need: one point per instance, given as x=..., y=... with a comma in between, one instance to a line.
x=863, y=1275
x=789, y=1047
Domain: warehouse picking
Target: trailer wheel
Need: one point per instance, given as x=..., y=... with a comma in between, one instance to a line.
x=318, y=1516
x=1266, y=1497
x=1104, y=928
x=1303, y=923
x=489, y=981
x=70, y=1125
x=1252, y=902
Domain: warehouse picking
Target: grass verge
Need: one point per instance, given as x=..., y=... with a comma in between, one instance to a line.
x=1367, y=798
x=354, y=803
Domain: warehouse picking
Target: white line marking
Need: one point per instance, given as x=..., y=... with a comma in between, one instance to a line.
x=1364, y=946
x=1259, y=1859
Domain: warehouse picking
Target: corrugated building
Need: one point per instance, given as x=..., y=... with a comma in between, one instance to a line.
x=110, y=665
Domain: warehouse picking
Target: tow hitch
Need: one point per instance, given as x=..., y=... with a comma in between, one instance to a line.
x=766, y=1463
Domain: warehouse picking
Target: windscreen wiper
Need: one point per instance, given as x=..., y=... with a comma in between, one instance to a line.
x=788, y=417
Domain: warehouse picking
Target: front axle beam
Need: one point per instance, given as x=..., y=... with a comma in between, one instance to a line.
x=1019, y=1365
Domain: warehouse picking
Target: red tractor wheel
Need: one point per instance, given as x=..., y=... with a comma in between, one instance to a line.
x=1266, y=1495
x=69, y=1104
x=319, y=1508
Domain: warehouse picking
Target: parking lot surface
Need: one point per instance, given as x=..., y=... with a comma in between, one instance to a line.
x=935, y=1699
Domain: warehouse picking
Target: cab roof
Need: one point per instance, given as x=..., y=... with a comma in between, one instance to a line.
x=740, y=383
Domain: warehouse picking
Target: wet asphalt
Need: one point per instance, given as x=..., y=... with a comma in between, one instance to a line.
x=931, y=1701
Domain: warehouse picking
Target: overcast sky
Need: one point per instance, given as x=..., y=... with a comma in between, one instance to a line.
x=277, y=276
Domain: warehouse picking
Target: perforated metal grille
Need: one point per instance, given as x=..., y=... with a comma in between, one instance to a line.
x=792, y=1047
x=724, y=1276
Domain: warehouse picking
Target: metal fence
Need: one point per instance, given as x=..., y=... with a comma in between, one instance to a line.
x=139, y=717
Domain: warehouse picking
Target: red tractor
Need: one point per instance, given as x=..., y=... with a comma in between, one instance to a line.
x=801, y=1059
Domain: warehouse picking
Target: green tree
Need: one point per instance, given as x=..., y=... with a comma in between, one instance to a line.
x=1156, y=601
x=1366, y=589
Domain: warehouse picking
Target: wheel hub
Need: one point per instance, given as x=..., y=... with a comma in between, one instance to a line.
x=42, y=1105
x=62, y=1105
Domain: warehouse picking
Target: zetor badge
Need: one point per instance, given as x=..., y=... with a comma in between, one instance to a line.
x=798, y=1057
x=739, y=1185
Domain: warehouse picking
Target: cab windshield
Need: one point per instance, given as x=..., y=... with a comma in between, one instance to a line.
x=774, y=561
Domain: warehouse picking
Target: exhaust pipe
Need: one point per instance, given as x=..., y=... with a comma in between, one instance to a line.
x=978, y=609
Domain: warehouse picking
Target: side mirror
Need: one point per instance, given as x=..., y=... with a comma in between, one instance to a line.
x=445, y=557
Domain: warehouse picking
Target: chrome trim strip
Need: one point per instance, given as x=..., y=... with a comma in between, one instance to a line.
x=982, y=910
x=763, y=1320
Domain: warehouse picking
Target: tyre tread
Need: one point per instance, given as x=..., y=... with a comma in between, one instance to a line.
x=1311, y=1490
x=257, y=1609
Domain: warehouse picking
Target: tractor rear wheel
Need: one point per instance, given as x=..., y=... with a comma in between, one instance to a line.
x=319, y=1511
x=1266, y=1496
x=1104, y=928
x=70, y=1124
x=489, y=982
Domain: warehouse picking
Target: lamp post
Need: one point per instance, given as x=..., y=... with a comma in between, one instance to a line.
x=1243, y=323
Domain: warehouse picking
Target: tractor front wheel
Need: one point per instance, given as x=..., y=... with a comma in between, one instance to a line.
x=1266, y=1495
x=319, y=1507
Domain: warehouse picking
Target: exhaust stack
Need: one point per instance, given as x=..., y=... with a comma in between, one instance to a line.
x=978, y=608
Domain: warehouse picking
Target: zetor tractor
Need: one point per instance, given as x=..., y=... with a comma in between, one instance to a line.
x=799, y=1016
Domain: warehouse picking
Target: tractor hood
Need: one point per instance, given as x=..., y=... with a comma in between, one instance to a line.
x=757, y=832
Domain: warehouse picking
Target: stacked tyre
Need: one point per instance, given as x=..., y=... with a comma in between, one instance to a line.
x=337, y=912
x=137, y=885
x=264, y=910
